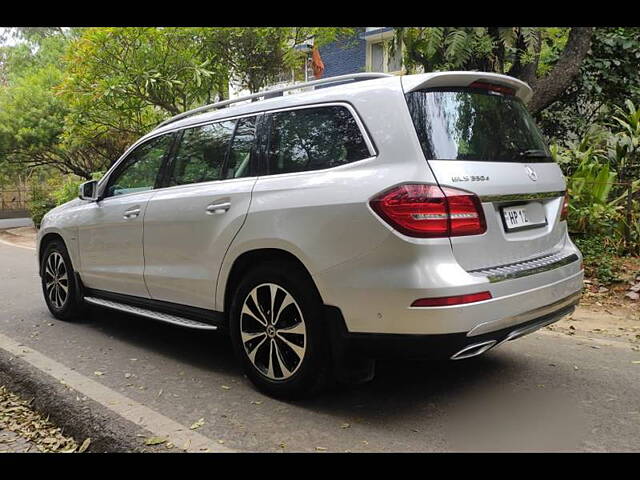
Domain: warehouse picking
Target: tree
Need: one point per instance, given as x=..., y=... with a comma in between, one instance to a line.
x=257, y=56
x=32, y=116
x=515, y=51
x=608, y=76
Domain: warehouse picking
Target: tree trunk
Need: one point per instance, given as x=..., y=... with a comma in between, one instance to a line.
x=552, y=85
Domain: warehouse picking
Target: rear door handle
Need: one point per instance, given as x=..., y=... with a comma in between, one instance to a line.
x=218, y=208
x=132, y=213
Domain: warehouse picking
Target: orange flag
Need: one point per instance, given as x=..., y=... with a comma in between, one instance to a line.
x=316, y=63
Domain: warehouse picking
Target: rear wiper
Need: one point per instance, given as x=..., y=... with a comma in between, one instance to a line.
x=534, y=154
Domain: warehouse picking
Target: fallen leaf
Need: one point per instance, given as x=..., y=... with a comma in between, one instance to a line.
x=84, y=445
x=197, y=424
x=155, y=441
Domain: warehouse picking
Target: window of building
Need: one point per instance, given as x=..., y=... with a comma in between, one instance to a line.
x=380, y=58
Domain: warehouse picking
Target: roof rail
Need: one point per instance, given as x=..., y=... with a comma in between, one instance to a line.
x=340, y=78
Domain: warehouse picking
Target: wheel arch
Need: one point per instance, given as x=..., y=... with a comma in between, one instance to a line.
x=247, y=260
x=44, y=242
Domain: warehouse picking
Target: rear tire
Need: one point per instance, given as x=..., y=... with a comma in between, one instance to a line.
x=59, y=285
x=277, y=330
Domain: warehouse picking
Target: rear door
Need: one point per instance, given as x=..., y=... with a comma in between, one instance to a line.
x=189, y=225
x=482, y=139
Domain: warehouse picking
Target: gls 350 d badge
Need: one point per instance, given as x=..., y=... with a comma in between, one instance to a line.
x=470, y=178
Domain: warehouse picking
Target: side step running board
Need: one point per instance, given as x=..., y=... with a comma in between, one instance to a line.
x=143, y=312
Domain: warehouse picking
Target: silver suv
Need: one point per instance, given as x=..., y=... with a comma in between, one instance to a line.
x=369, y=215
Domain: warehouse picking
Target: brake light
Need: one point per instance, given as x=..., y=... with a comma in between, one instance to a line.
x=565, y=207
x=454, y=300
x=493, y=87
x=429, y=211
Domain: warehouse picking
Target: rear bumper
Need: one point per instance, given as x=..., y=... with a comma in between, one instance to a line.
x=375, y=290
x=449, y=345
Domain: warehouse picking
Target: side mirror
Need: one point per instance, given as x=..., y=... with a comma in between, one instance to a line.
x=88, y=191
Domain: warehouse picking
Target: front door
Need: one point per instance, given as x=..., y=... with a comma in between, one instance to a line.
x=111, y=229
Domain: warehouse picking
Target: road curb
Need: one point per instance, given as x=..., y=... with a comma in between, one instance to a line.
x=80, y=419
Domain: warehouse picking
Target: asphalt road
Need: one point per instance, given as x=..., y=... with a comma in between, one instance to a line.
x=544, y=392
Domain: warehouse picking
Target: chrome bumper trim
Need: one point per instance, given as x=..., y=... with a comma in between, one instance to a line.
x=561, y=304
x=526, y=268
x=519, y=197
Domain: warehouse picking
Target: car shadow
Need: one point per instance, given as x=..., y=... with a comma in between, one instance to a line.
x=433, y=399
x=203, y=349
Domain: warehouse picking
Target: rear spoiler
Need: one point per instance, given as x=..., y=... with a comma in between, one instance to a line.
x=412, y=83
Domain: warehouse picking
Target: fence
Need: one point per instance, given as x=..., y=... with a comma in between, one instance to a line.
x=13, y=203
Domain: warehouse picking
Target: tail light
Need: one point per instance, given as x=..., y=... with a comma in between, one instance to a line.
x=493, y=88
x=454, y=300
x=565, y=207
x=429, y=211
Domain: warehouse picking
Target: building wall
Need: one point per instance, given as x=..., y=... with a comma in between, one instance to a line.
x=344, y=57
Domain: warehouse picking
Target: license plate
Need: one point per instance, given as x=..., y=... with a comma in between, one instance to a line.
x=521, y=217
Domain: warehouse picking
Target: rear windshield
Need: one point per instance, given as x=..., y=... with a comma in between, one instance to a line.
x=474, y=124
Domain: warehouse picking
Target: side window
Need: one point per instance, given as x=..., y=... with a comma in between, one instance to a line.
x=201, y=153
x=314, y=138
x=140, y=169
x=240, y=152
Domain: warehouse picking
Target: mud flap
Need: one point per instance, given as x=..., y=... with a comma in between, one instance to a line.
x=348, y=367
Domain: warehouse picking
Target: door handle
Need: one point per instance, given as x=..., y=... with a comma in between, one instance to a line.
x=218, y=208
x=133, y=213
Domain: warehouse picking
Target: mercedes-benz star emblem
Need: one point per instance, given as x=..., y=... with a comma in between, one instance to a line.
x=532, y=173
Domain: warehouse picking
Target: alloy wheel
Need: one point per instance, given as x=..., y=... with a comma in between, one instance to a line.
x=273, y=331
x=56, y=280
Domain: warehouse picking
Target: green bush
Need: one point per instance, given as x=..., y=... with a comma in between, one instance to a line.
x=58, y=189
x=600, y=257
x=40, y=203
x=599, y=169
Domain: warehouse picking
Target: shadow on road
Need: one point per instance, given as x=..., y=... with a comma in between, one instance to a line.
x=202, y=349
x=484, y=403
x=399, y=384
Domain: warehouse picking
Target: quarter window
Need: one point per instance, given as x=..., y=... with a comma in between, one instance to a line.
x=140, y=169
x=201, y=154
x=313, y=139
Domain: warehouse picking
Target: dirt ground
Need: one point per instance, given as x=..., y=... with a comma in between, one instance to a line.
x=605, y=312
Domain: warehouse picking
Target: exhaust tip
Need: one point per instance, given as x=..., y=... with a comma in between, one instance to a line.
x=473, y=350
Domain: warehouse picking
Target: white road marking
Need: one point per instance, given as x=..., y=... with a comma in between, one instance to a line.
x=159, y=425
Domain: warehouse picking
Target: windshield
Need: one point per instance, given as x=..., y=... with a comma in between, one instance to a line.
x=475, y=124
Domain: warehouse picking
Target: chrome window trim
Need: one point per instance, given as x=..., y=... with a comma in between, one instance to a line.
x=354, y=114
x=363, y=131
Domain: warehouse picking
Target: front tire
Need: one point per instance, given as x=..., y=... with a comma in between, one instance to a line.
x=59, y=284
x=278, y=333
